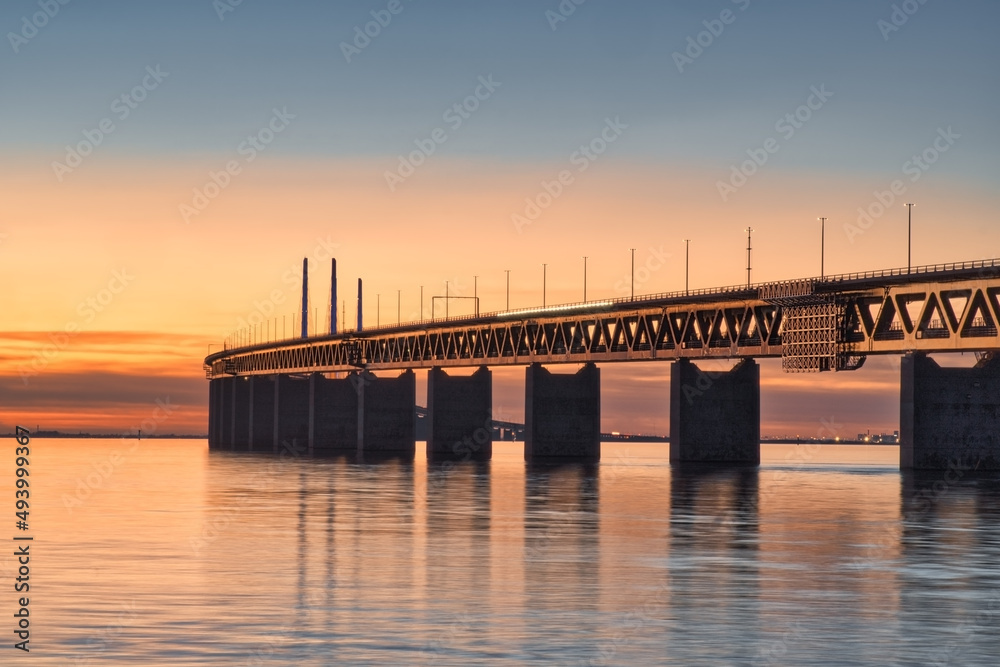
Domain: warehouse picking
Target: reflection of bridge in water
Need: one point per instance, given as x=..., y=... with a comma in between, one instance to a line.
x=608, y=556
x=264, y=394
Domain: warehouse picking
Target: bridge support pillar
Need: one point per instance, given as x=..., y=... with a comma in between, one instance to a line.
x=334, y=415
x=262, y=391
x=715, y=417
x=562, y=415
x=460, y=416
x=214, y=410
x=241, y=415
x=949, y=418
x=387, y=416
x=226, y=404
x=291, y=413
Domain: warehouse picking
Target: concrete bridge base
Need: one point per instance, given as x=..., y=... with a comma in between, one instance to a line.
x=715, y=417
x=292, y=414
x=949, y=417
x=227, y=402
x=315, y=415
x=214, y=413
x=261, y=418
x=387, y=416
x=562, y=415
x=334, y=415
x=460, y=416
x=241, y=415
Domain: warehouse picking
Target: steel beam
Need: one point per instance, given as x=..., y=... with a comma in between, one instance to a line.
x=813, y=325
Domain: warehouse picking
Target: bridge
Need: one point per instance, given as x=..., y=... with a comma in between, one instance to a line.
x=321, y=391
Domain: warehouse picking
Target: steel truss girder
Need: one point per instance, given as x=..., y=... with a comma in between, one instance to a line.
x=734, y=329
x=925, y=316
x=938, y=317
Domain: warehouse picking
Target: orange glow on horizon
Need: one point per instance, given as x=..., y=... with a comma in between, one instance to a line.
x=106, y=260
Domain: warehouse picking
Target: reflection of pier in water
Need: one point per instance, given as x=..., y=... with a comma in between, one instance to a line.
x=609, y=555
x=948, y=562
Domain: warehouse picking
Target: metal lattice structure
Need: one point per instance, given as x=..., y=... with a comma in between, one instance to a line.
x=813, y=325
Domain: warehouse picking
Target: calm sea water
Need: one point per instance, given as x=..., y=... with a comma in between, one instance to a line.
x=162, y=553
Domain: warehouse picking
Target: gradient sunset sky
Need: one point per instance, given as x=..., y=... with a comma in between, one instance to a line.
x=119, y=276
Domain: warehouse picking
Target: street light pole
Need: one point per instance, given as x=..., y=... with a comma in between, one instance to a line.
x=507, y=271
x=421, y=303
x=446, y=299
x=378, y=309
x=545, y=268
x=822, y=249
x=475, y=292
x=749, y=232
x=687, y=266
x=633, y=272
x=909, y=237
x=585, y=279
x=399, y=309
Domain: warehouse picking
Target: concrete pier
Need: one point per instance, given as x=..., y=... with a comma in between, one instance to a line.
x=241, y=416
x=387, y=416
x=315, y=414
x=214, y=413
x=291, y=412
x=562, y=415
x=262, y=390
x=460, y=416
x=334, y=415
x=949, y=418
x=715, y=417
x=226, y=405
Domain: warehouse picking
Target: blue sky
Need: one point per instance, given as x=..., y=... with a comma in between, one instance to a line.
x=606, y=59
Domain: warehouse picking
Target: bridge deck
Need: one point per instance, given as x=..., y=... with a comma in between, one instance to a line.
x=813, y=324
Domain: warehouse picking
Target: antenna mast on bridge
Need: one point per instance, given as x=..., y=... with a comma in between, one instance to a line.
x=305, y=297
x=333, y=296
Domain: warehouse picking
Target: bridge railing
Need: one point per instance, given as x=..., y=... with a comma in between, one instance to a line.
x=737, y=291
x=521, y=312
x=916, y=270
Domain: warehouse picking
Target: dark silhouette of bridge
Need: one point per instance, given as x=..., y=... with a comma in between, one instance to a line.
x=322, y=389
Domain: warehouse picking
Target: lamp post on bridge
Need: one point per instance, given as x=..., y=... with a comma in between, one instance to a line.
x=378, y=309
x=399, y=310
x=475, y=292
x=749, y=246
x=909, y=236
x=687, y=266
x=585, y=279
x=507, y=271
x=633, y=272
x=545, y=268
x=822, y=248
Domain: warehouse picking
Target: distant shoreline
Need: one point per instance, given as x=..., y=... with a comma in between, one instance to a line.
x=605, y=437
x=105, y=436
